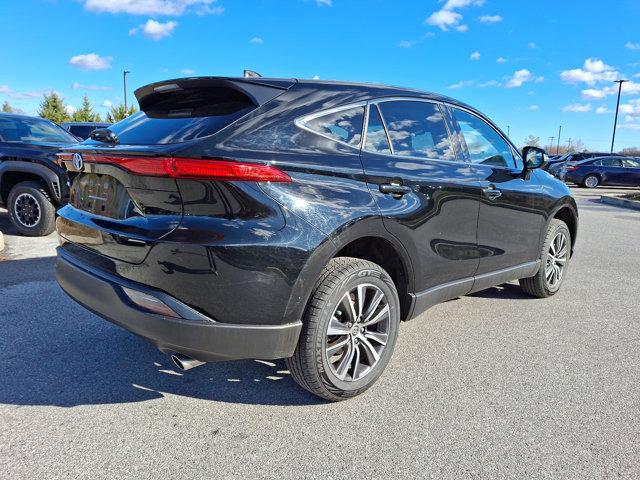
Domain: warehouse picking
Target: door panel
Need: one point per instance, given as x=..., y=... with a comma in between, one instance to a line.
x=430, y=204
x=509, y=224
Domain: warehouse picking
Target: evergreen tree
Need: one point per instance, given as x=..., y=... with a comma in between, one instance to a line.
x=85, y=113
x=53, y=108
x=118, y=112
x=6, y=107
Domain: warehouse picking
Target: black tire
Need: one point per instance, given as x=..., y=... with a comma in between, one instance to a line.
x=41, y=219
x=592, y=182
x=310, y=366
x=538, y=285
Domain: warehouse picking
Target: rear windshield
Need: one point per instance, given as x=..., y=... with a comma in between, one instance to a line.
x=175, y=117
x=139, y=129
x=33, y=130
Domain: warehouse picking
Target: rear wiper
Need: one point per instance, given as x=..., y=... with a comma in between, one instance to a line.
x=104, y=135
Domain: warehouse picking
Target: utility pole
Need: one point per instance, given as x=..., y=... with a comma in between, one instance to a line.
x=508, y=131
x=558, y=147
x=569, y=144
x=551, y=139
x=615, y=122
x=124, y=79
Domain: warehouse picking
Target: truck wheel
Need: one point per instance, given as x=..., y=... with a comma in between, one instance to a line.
x=31, y=210
x=554, y=260
x=349, y=330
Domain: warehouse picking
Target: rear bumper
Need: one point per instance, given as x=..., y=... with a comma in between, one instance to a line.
x=194, y=334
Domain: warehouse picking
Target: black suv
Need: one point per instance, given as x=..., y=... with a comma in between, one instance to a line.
x=33, y=183
x=269, y=218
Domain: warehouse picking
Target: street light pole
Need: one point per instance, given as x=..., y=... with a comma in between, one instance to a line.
x=508, y=131
x=124, y=79
x=615, y=122
x=558, y=147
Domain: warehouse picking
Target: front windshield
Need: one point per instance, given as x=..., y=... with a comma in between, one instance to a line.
x=33, y=130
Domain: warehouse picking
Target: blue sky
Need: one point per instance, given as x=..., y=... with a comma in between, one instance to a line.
x=530, y=65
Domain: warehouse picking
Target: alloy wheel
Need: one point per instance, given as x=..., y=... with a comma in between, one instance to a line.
x=591, y=181
x=556, y=260
x=357, y=333
x=27, y=210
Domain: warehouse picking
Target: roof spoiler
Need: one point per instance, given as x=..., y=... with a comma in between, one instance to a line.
x=258, y=90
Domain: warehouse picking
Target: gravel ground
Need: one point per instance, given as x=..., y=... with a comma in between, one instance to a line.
x=492, y=385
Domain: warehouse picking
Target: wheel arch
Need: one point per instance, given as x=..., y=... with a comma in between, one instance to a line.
x=368, y=240
x=568, y=213
x=13, y=172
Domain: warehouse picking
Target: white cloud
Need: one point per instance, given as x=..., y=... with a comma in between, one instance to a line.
x=631, y=110
x=447, y=17
x=475, y=56
x=501, y=60
x=21, y=95
x=444, y=19
x=107, y=104
x=490, y=83
x=316, y=77
x=100, y=88
x=460, y=84
x=70, y=109
x=256, y=40
x=173, y=8
x=453, y=4
x=533, y=107
x=577, y=107
x=601, y=110
x=633, y=46
x=324, y=3
x=532, y=45
x=490, y=18
x=406, y=43
x=187, y=71
x=593, y=71
x=518, y=78
x=595, y=94
x=91, y=61
x=155, y=30
x=630, y=88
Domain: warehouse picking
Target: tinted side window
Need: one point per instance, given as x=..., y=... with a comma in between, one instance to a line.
x=344, y=126
x=611, y=162
x=417, y=129
x=376, y=135
x=484, y=143
x=82, y=131
x=631, y=163
x=597, y=163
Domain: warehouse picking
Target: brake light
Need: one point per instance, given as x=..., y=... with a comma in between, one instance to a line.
x=571, y=169
x=214, y=169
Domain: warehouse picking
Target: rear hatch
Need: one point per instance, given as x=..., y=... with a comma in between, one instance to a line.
x=124, y=196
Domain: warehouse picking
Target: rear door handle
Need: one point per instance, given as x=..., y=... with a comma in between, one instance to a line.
x=394, y=189
x=491, y=192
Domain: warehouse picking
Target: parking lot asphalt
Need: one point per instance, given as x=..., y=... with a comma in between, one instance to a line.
x=491, y=385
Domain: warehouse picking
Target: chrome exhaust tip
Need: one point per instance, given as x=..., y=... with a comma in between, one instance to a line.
x=185, y=363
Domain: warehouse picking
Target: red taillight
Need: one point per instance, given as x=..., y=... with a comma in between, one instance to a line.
x=570, y=169
x=190, y=168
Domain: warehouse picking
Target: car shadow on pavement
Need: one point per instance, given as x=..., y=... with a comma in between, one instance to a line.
x=506, y=291
x=54, y=352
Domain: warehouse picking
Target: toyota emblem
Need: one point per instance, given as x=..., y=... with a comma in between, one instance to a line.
x=78, y=162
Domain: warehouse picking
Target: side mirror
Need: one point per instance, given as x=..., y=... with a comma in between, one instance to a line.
x=534, y=157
